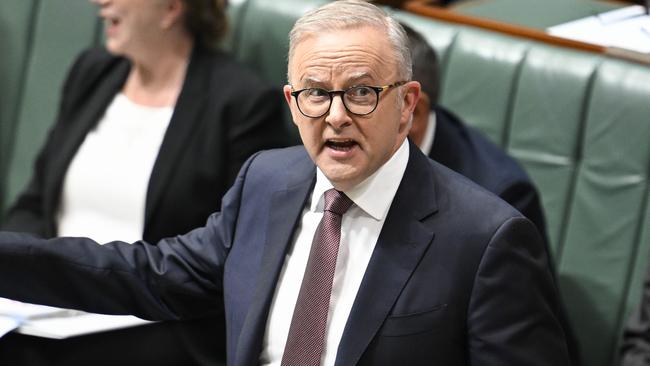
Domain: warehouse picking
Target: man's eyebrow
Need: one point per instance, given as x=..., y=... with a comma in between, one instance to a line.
x=355, y=77
x=307, y=81
x=311, y=81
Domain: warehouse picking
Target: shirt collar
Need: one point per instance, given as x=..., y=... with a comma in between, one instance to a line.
x=375, y=194
x=429, y=134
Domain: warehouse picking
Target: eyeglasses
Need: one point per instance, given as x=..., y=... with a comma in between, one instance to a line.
x=359, y=100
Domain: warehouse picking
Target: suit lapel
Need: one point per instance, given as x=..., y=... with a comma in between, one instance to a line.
x=288, y=206
x=404, y=239
x=187, y=115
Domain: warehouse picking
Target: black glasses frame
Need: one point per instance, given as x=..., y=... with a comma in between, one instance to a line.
x=332, y=93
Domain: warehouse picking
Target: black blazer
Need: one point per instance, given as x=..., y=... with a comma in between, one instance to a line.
x=457, y=276
x=464, y=150
x=224, y=114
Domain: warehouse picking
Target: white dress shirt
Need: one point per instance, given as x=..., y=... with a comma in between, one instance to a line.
x=360, y=230
x=429, y=134
x=105, y=188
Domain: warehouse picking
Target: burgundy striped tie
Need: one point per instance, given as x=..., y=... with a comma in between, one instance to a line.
x=306, y=338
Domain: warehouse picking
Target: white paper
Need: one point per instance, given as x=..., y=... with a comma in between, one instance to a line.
x=52, y=322
x=7, y=324
x=23, y=310
x=627, y=28
x=82, y=323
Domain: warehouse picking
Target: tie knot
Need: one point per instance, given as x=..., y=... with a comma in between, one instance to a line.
x=336, y=202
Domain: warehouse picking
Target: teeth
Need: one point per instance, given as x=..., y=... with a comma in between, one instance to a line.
x=340, y=144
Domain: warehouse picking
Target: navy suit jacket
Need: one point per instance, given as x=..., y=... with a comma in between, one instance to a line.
x=458, y=277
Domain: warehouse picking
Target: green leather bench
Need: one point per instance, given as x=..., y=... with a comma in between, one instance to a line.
x=577, y=121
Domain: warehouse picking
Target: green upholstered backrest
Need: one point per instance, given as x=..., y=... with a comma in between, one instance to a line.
x=610, y=195
x=15, y=36
x=483, y=95
x=53, y=33
x=546, y=125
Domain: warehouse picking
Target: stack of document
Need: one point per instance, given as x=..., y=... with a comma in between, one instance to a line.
x=52, y=322
x=626, y=28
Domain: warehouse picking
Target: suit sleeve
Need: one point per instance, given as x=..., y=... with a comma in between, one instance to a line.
x=180, y=277
x=635, y=345
x=513, y=316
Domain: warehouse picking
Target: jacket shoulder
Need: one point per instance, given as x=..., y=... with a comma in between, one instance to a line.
x=467, y=151
x=89, y=68
x=281, y=168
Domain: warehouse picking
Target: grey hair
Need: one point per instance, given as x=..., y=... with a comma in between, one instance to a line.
x=347, y=14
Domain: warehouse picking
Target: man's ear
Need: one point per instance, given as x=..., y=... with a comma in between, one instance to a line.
x=411, y=94
x=420, y=119
x=288, y=98
x=287, y=94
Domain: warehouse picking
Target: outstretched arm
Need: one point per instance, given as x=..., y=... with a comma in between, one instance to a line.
x=179, y=277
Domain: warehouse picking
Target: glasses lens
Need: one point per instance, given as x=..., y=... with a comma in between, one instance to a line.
x=361, y=99
x=314, y=102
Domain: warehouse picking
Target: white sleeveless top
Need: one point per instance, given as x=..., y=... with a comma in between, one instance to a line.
x=105, y=188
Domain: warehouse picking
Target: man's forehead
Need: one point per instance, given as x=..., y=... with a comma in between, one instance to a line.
x=353, y=56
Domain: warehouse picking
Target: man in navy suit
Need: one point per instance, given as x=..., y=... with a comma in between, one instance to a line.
x=429, y=269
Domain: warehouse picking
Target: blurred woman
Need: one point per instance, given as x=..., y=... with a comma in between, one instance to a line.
x=150, y=133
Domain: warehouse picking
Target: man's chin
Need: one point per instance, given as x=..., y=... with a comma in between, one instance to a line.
x=342, y=177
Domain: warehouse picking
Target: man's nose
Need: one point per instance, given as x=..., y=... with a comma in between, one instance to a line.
x=338, y=115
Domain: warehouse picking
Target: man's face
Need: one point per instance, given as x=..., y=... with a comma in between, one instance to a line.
x=346, y=147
